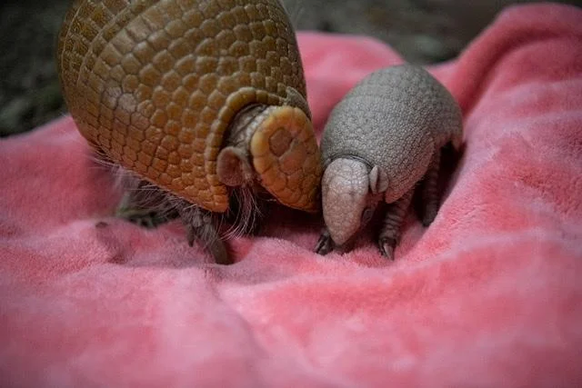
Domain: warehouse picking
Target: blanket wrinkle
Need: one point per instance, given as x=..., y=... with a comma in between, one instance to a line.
x=489, y=295
x=515, y=29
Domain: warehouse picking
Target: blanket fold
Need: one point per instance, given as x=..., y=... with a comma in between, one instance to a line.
x=490, y=295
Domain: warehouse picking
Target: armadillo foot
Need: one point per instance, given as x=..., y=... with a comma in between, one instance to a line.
x=324, y=244
x=200, y=227
x=391, y=230
x=430, y=194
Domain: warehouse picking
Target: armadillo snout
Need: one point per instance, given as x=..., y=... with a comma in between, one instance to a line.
x=344, y=195
x=287, y=159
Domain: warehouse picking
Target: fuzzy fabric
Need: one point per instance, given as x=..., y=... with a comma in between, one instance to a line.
x=490, y=295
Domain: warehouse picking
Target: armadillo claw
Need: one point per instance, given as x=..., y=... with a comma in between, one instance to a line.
x=287, y=159
x=210, y=241
x=324, y=244
x=386, y=246
x=430, y=213
x=199, y=227
x=217, y=249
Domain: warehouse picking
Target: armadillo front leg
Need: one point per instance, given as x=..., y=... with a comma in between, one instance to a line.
x=143, y=204
x=430, y=195
x=200, y=226
x=391, y=229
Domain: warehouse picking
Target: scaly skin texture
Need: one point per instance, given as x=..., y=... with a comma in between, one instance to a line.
x=381, y=140
x=157, y=86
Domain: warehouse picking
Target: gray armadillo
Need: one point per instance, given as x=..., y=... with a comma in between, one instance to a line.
x=385, y=136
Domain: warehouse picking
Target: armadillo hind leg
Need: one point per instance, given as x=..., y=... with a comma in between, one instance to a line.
x=429, y=187
x=391, y=229
x=200, y=227
x=144, y=204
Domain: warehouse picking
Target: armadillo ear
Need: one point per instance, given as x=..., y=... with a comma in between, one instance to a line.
x=378, y=180
x=232, y=167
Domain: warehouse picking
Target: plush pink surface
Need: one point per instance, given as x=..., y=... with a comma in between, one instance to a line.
x=489, y=296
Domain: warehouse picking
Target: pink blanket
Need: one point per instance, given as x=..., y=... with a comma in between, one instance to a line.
x=490, y=295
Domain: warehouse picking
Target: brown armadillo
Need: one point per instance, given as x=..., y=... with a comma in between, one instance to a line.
x=196, y=98
x=384, y=137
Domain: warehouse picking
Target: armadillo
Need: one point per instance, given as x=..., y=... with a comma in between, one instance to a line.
x=201, y=100
x=381, y=140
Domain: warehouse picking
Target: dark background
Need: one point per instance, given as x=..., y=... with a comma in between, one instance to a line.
x=423, y=31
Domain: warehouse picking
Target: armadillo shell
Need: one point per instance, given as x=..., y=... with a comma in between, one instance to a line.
x=394, y=118
x=154, y=84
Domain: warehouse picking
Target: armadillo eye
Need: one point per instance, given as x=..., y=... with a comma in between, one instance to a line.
x=367, y=215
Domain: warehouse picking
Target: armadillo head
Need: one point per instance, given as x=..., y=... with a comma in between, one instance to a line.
x=350, y=193
x=274, y=148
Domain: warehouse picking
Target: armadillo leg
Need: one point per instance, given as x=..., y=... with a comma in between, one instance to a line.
x=324, y=244
x=391, y=229
x=430, y=195
x=200, y=227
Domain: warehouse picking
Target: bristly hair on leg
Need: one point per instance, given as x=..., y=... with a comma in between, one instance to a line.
x=101, y=161
x=148, y=205
x=246, y=211
x=142, y=202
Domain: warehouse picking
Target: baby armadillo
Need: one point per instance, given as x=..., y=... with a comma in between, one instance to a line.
x=384, y=137
x=200, y=99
